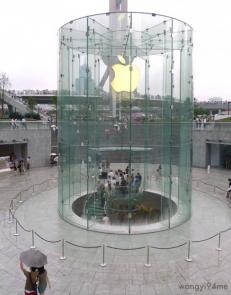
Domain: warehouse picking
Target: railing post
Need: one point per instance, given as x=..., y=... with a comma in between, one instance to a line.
x=63, y=253
x=87, y=220
x=20, y=197
x=12, y=205
x=10, y=218
x=148, y=264
x=188, y=258
x=32, y=237
x=16, y=228
x=219, y=242
x=103, y=264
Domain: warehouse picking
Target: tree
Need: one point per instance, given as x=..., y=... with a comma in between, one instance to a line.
x=31, y=103
x=200, y=111
x=4, y=84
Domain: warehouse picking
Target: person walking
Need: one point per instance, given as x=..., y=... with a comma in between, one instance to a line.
x=43, y=280
x=31, y=280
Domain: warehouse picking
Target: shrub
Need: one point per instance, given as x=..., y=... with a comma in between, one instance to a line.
x=15, y=115
x=34, y=116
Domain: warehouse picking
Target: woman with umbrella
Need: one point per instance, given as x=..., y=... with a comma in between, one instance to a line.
x=31, y=280
x=37, y=277
x=42, y=280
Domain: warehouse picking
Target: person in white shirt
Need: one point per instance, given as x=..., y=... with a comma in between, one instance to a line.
x=110, y=174
x=106, y=219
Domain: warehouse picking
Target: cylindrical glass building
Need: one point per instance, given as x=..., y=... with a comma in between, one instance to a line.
x=125, y=107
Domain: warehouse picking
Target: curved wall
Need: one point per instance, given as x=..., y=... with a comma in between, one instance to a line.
x=125, y=104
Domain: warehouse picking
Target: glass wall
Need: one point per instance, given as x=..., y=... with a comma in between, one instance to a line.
x=125, y=107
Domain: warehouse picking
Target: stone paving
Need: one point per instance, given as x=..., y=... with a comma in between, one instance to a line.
x=125, y=272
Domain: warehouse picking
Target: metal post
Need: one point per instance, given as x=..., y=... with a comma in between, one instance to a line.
x=148, y=264
x=12, y=205
x=129, y=223
x=10, y=218
x=87, y=220
x=219, y=242
x=188, y=258
x=20, y=197
x=16, y=228
x=63, y=254
x=103, y=264
x=32, y=236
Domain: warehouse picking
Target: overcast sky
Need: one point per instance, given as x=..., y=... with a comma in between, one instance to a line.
x=29, y=40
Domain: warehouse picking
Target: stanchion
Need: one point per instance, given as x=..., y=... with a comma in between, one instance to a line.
x=219, y=242
x=20, y=197
x=103, y=264
x=16, y=228
x=10, y=218
x=87, y=220
x=32, y=236
x=148, y=264
x=188, y=258
x=11, y=204
x=63, y=254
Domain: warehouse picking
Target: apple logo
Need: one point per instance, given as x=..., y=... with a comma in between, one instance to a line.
x=121, y=81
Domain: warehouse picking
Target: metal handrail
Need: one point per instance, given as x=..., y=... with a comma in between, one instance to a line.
x=168, y=248
x=82, y=246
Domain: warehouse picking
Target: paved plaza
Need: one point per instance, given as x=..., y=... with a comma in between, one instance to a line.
x=125, y=271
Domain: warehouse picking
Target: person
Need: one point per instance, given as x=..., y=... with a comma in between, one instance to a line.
x=137, y=182
x=12, y=124
x=158, y=170
x=102, y=195
x=123, y=186
x=56, y=158
x=106, y=219
x=228, y=195
x=20, y=166
x=31, y=280
x=43, y=280
x=28, y=163
x=24, y=125
x=100, y=170
x=110, y=174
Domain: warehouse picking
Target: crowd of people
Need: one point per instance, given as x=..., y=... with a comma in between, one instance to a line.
x=117, y=182
x=18, y=164
x=14, y=123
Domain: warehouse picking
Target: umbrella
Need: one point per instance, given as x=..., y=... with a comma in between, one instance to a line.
x=33, y=258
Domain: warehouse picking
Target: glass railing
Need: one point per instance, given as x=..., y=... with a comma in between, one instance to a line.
x=9, y=125
x=211, y=125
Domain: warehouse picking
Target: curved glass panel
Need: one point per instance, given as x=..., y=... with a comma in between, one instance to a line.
x=125, y=117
